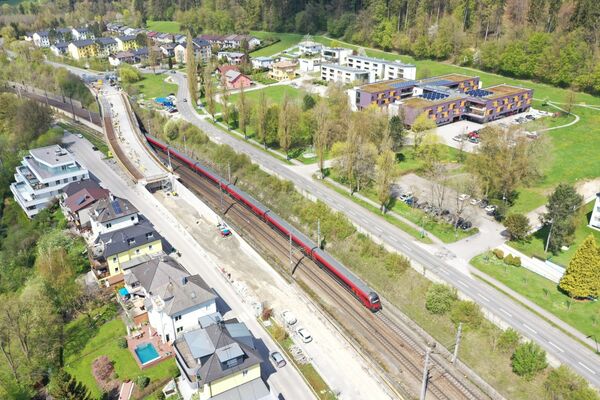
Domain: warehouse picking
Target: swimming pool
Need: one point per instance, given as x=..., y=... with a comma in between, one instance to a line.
x=146, y=353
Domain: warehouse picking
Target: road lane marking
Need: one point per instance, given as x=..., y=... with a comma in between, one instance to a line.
x=378, y=229
x=506, y=312
x=586, y=367
x=556, y=347
x=462, y=283
x=530, y=328
x=483, y=297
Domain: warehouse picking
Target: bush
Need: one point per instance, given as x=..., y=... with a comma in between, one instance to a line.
x=498, y=253
x=279, y=333
x=528, y=360
x=266, y=314
x=122, y=342
x=142, y=381
x=562, y=383
x=102, y=368
x=440, y=298
x=508, y=341
x=512, y=260
x=468, y=313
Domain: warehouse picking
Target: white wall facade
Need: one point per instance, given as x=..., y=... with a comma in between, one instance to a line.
x=114, y=225
x=170, y=327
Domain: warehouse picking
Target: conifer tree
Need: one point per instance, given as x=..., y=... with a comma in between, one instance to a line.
x=582, y=278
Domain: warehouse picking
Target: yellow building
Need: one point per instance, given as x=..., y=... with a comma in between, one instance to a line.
x=112, y=249
x=283, y=70
x=86, y=48
x=219, y=359
x=125, y=43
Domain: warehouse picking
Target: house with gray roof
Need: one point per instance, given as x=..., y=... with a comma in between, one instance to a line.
x=111, y=214
x=221, y=362
x=174, y=300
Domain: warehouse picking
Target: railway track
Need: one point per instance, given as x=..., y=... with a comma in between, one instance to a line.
x=388, y=339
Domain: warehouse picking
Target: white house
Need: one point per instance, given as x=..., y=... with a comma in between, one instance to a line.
x=42, y=175
x=595, y=218
x=202, y=51
x=176, y=301
x=309, y=64
x=337, y=55
x=309, y=46
x=383, y=69
x=60, y=49
x=82, y=33
x=112, y=214
x=41, y=39
x=231, y=57
x=262, y=62
x=343, y=74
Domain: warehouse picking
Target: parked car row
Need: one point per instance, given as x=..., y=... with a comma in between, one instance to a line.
x=472, y=137
x=436, y=212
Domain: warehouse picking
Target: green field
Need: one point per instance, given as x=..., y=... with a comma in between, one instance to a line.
x=164, y=26
x=537, y=242
x=152, y=86
x=87, y=342
x=583, y=315
x=286, y=40
x=274, y=94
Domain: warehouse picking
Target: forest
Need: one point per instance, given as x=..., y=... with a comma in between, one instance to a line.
x=551, y=41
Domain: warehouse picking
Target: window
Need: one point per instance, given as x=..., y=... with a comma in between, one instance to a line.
x=74, y=178
x=179, y=329
x=114, y=259
x=57, y=182
x=109, y=225
x=149, y=235
x=130, y=241
x=137, y=251
x=133, y=217
x=245, y=372
x=150, y=247
x=178, y=318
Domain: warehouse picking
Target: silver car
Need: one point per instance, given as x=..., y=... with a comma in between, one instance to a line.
x=277, y=359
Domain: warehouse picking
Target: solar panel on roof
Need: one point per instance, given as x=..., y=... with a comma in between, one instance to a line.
x=401, y=85
x=80, y=200
x=116, y=206
x=479, y=93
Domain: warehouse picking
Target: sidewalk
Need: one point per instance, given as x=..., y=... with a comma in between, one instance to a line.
x=534, y=265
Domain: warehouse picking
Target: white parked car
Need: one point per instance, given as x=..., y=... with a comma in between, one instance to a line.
x=463, y=197
x=474, y=202
x=80, y=136
x=288, y=317
x=490, y=209
x=304, y=335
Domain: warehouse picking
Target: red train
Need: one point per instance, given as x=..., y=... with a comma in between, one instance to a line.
x=357, y=287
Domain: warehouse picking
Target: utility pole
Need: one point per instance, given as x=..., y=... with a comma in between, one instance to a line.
x=548, y=238
x=169, y=158
x=458, y=333
x=221, y=196
x=319, y=233
x=291, y=250
x=425, y=375
x=228, y=171
x=184, y=145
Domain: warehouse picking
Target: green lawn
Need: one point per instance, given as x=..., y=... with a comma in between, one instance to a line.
x=584, y=316
x=536, y=243
x=164, y=26
x=152, y=86
x=86, y=343
x=286, y=40
x=274, y=94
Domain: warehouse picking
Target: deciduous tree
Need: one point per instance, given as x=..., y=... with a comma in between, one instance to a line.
x=243, y=111
x=517, y=226
x=225, y=106
x=420, y=126
x=386, y=172
x=528, y=360
x=321, y=116
x=192, y=73
x=260, y=118
x=209, y=91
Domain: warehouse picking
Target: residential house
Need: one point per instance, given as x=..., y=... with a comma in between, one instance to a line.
x=383, y=69
x=120, y=57
x=174, y=300
x=343, y=74
x=236, y=80
x=60, y=49
x=202, y=51
x=152, y=34
x=223, y=69
x=168, y=49
x=308, y=46
x=86, y=48
x=82, y=33
x=42, y=176
x=76, y=205
x=221, y=361
x=164, y=38
x=212, y=39
x=179, y=38
x=112, y=214
x=335, y=55
x=262, y=62
x=106, y=46
x=234, y=41
x=595, y=217
x=126, y=42
x=113, y=249
x=114, y=27
x=309, y=64
x=284, y=69
x=231, y=57
x=131, y=31
x=41, y=39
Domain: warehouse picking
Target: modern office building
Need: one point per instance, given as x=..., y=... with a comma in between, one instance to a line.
x=42, y=175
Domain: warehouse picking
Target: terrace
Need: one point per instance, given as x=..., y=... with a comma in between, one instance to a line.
x=503, y=90
x=146, y=338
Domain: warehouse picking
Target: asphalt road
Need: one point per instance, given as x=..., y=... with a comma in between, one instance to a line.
x=286, y=380
x=558, y=344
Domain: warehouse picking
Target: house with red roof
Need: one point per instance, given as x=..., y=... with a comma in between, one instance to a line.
x=236, y=80
x=77, y=202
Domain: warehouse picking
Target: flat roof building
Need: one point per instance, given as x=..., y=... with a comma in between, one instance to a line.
x=343, y=74
x=383, y=69
x=42, y=175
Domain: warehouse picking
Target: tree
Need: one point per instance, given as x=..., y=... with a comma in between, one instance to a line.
x=421, y=125
x=171, y=130
x=466, y=312
x=225, y=106
x=564, y=384
x=561, y=209
x=528, y=360
x=569, y=101
x=440, y=298
x=322, y=120
x=243, y=111
x=397, y=132
x=517, y=226
x=508, y=340
x=386, y=172
x=192, y=72
x=582, y=277
x=209, y=91
x=63, y=386
x=288, y=121
x=261, y=118
x=308, y=102
x=9, y=34
x=128, y=74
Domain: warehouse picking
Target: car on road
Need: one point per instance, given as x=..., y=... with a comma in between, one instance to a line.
x=304, y=335
x=530, y=117
x=277, y=359
x=185, y=100
x=94, y=148
x=288, y=317
x=80, y=136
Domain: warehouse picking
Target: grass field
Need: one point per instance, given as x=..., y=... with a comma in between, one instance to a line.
x=274, y=94
x=536, y=243
x=286, y=40
x=164, y=26
x=152, y=86
x=584, y=316
x=86, y=343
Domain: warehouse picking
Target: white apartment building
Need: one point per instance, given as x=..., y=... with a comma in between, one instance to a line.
x=344, y=74
x=175, y=300
x=383, y=69
x=595, y=218
x=335, y=55
x=41, y=39
x=42, y=175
